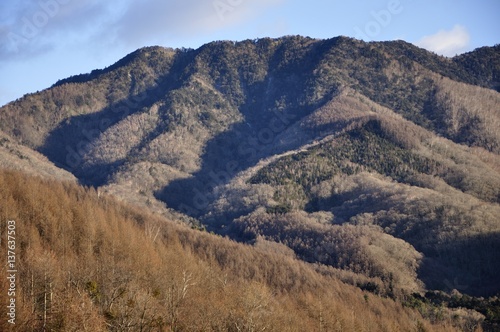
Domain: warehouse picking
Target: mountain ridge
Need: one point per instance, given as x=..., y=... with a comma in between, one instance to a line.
x=403, y=47
x=295, y=139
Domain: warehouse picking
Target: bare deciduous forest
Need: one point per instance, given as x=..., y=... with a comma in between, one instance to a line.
x=269, y=184
x=90, y=263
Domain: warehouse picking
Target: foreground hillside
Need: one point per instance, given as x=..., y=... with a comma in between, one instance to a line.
x=89, y=263
x=378, y=162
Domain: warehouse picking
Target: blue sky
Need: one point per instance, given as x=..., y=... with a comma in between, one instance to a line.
x=42, y=41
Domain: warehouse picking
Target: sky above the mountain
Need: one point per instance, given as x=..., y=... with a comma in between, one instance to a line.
x=42, y=41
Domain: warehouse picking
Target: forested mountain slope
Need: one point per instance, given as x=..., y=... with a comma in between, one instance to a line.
x=89, y=263
x=15, y=156
x=380, y=160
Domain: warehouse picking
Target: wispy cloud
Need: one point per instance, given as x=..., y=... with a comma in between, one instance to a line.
x=80, y=35
x=153, y=20
x=29, y=28
x=447, y=42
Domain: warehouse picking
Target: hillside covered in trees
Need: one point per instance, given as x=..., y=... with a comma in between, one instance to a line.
x=375, y=164
x=90, y=263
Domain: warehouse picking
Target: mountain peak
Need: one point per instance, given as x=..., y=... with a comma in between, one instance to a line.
x=141, y=54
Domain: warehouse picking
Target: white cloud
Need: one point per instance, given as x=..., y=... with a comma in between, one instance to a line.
x=158, y=20
x=32, y=32
x=32, y=28
x=29, y=29
x=447, y=42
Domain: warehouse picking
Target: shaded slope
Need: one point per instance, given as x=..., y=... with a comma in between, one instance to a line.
x=414, y=200
x=14, y=156
x=238, y=134
x=90, y=263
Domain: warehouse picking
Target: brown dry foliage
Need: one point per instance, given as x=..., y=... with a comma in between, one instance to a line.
x=89, y=263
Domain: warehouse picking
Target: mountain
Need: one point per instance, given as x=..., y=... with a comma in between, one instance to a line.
x=379, y=160
x=89, y=263
x=15, y=156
